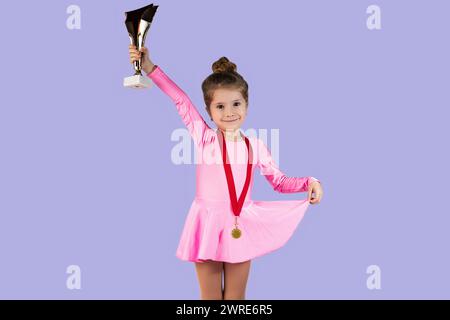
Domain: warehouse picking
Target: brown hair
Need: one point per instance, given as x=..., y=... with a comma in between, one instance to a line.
x=224, y=76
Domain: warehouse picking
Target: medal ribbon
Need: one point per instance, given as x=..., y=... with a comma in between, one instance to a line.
x=236, y=204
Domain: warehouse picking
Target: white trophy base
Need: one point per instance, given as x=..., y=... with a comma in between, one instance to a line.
x=137, y=82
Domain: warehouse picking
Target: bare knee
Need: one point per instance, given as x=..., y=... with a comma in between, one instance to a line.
x=211, y=293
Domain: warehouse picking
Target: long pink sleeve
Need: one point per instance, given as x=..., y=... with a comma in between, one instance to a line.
x=279, y=181
x=193, y=120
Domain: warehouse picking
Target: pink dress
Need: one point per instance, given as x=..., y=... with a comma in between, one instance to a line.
x=265, y=225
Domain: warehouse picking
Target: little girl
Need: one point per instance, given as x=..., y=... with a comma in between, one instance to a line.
x=225, y=228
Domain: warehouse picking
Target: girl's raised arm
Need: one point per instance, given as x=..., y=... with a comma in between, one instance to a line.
x=193, y=120
x=279, y=181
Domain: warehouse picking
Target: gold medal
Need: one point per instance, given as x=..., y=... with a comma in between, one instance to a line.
x=236, y=233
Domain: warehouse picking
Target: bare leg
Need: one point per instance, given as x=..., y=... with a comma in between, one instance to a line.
x=209, y=275
x=236, y=275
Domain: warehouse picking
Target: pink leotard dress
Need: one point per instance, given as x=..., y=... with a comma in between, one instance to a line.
x=265, y=225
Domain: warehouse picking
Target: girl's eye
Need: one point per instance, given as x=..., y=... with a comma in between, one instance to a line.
x=220, y=106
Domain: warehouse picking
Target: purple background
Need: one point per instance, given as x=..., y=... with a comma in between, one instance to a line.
x=86, y=176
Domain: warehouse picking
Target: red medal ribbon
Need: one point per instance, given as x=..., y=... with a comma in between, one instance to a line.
x=236, y=204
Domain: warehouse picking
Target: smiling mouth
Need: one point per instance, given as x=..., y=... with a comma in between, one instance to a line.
x=230, y=120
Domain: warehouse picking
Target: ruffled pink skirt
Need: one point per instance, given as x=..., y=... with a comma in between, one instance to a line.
x=265, y=226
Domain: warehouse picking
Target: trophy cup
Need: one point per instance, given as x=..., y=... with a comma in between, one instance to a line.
x=138, y=23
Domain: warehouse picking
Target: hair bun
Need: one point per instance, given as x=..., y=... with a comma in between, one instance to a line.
x=223, y=65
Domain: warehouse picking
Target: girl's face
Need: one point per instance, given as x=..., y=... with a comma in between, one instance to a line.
x=228, y=109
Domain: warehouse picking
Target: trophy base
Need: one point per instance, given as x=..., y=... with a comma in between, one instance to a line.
x=137, y=81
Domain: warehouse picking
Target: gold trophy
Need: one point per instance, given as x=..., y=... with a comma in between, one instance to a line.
x=138, y=23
